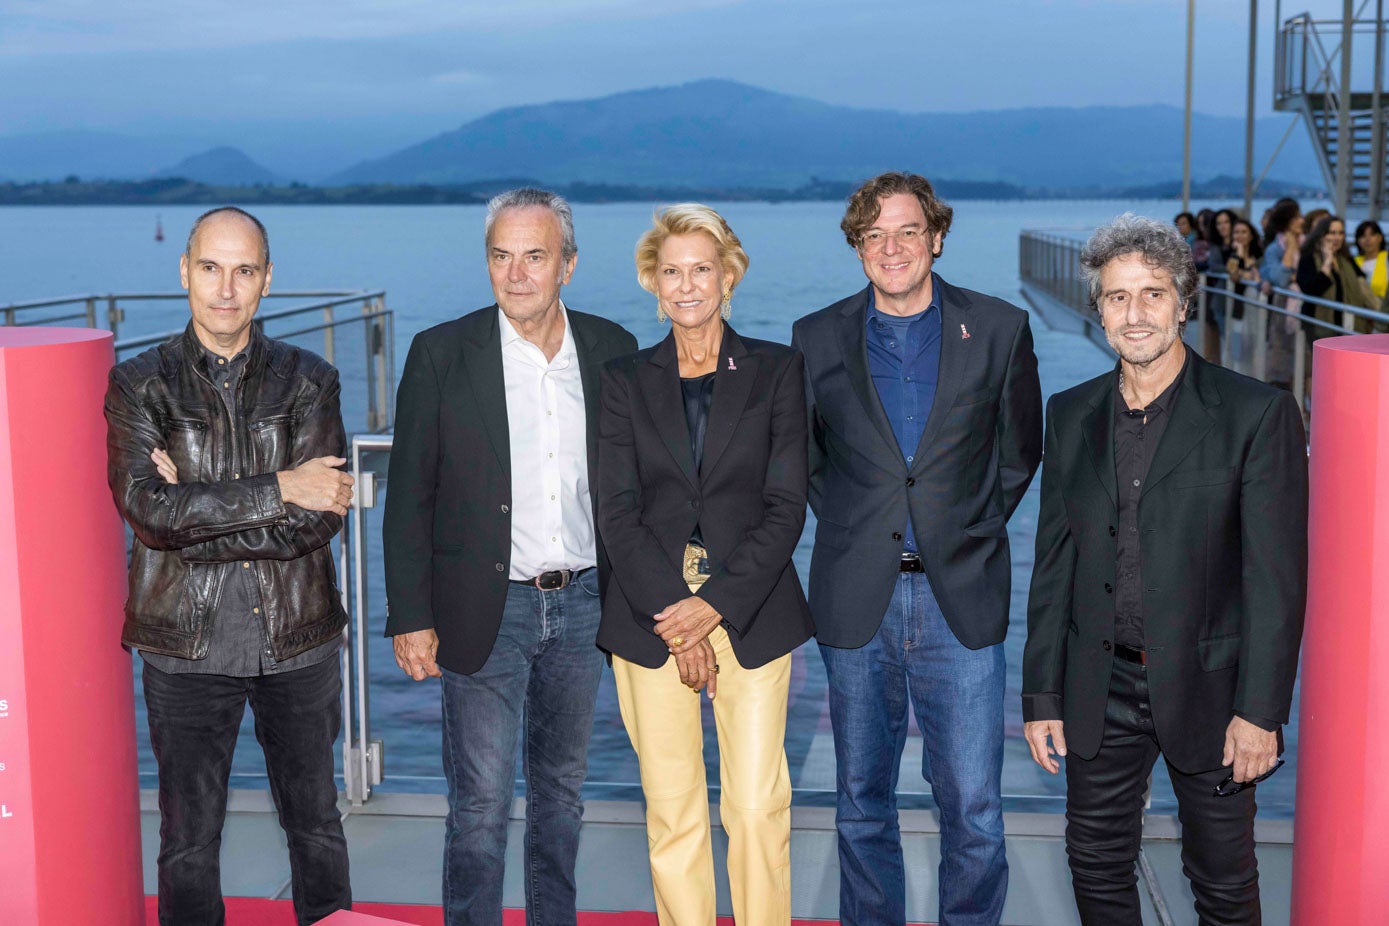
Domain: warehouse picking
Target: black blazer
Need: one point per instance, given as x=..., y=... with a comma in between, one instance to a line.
x=1223, y=522
x=982, y=443
x=447, y=525
x=748, y=498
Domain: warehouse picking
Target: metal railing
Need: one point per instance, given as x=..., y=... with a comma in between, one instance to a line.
x=368, y=390
x=1265, y=330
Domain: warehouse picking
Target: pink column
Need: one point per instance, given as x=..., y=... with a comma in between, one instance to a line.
x=69, y=798
x=1341, y=854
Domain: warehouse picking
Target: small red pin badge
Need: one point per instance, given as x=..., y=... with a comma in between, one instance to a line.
x=964, y=333
x=730, y=364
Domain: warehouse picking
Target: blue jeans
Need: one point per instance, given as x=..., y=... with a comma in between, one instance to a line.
x=542, y=673
x=193, y=721
x=957, y=694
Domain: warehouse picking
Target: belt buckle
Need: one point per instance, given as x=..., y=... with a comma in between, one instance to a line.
x=695, y=565
x=554, y=580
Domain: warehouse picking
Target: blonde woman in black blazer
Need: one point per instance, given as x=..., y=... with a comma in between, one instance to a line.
x=701, y=501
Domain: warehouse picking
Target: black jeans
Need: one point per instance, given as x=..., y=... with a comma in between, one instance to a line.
x=193, y=722
x=1104, y=821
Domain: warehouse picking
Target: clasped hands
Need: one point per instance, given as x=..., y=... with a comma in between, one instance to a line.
x=314, y=485
x=685, y=627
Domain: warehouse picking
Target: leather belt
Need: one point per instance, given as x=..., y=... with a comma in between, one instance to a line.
x=551, y=581
x=912, y=563
x=1130, y=654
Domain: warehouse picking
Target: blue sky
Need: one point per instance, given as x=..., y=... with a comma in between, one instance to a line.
x=378, y=75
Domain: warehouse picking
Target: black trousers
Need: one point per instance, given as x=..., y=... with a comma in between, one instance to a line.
x=1104, y=821
x=193, y=721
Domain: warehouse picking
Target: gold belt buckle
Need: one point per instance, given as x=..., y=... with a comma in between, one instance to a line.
x=695, y=557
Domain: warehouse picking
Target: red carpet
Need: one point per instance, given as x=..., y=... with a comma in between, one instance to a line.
x=252, y=911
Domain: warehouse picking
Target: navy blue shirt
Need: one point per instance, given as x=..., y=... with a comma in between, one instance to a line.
x=904, y=361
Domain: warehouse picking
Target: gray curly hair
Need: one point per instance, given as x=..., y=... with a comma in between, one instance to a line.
x=1161, y=246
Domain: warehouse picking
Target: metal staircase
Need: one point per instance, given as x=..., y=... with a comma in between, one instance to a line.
x=1311, y=60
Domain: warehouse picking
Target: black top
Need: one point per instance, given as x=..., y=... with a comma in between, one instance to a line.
x=699, y=395
x=1137, y=432
x=698, y=392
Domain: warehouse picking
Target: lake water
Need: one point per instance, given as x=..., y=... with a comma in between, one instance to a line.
x=430, y=262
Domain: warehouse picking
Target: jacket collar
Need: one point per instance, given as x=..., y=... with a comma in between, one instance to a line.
x=193, y=352
x=957, y=355
x=1192, y=418
x=659, y=378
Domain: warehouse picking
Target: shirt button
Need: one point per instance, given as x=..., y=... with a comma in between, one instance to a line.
x=910, y=482
x=1109, y=589
x=226, y=385
x=501, y=568
x=909, y=459
x=255, y=610
x=1136, y=483
x=236, y=475
x=220, y=361
x=245, y=565
x=506, y=509
x=1106, y=646
x=896, y=535
x=552, y=498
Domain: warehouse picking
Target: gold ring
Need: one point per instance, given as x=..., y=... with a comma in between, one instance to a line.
x=677, y=641
x=716, y=667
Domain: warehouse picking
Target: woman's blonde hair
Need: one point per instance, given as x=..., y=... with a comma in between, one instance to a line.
x=688, y=219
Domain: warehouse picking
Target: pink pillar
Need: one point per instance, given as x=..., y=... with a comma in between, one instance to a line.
x=69, y=798
x=1341, y=854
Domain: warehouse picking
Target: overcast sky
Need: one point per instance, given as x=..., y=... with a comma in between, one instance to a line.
x=391, y=73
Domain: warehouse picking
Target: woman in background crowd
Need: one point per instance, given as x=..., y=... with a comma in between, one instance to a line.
x=1372, y=259
x=1327, y=271
x=1186, y=227
x=1245, y=253
x=1282, y=248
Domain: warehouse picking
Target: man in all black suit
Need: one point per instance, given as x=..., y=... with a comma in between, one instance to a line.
x=925, y=429
x=492, y=562
x=1168, y=594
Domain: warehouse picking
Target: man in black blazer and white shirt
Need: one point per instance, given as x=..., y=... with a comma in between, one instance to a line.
x=925, y=429
x=1169, y=588
x=492, y=561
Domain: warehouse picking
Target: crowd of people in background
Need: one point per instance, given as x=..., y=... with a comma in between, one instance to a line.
x=1291, y=252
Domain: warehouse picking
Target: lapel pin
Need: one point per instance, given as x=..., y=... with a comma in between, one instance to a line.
x=730, y=364
x=964, y=333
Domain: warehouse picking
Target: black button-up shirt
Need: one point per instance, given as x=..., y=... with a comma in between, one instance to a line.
x=1137, y=432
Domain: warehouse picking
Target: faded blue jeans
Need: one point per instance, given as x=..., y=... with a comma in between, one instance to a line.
x=541, y=677
x=957, y=693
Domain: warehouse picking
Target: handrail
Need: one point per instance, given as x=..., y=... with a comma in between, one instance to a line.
x=377, y=321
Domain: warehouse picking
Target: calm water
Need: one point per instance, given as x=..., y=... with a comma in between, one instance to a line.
x=429, y=261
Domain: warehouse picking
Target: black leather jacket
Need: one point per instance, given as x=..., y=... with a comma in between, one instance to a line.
x=226, y=509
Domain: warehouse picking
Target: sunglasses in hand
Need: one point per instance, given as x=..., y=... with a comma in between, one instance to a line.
x=1230, y=787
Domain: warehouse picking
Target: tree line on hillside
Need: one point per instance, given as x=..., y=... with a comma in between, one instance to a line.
x=74, y=191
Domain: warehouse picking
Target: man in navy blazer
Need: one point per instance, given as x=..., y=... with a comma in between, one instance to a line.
x=925, y=430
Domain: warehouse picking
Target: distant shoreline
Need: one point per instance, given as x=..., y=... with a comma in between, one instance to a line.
x=180, y=192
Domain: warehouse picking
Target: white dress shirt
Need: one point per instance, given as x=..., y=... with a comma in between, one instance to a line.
x=551, y=509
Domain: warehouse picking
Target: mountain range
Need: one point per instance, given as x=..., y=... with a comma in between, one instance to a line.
x=718, y=133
